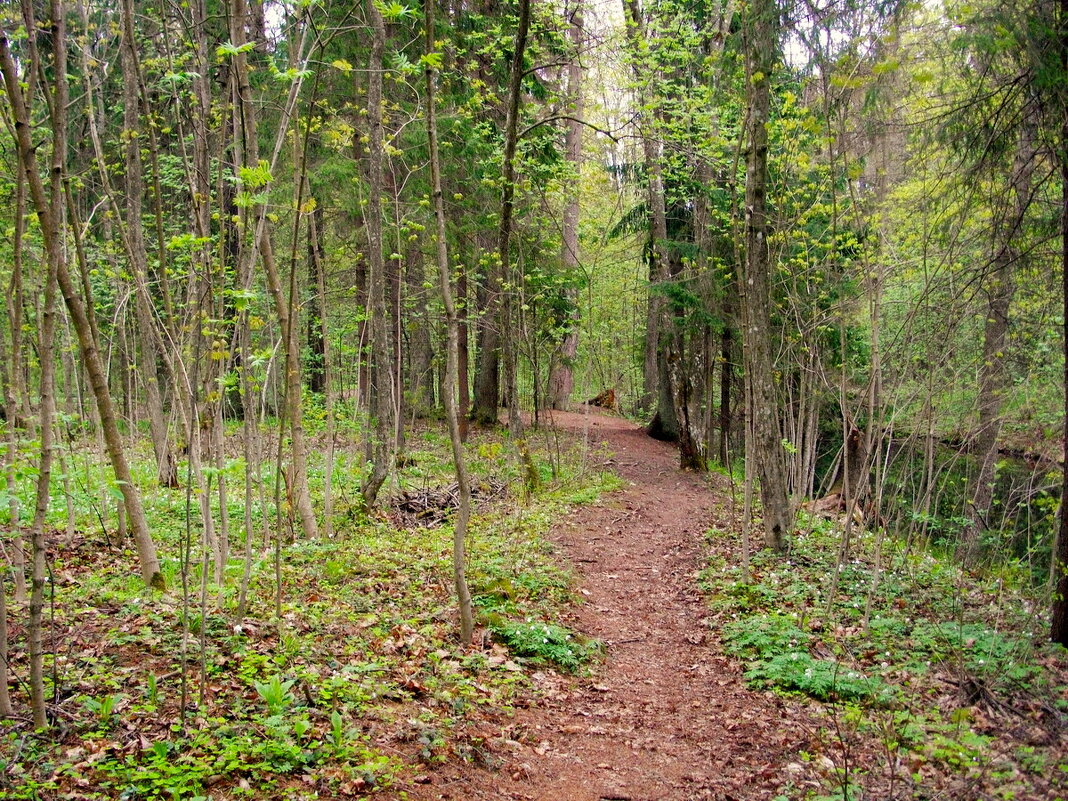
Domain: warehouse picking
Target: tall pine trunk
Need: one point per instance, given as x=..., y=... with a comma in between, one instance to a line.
x=561, y=374
x=762, y=402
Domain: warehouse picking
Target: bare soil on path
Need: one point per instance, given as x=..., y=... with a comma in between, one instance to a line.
x=666, y=715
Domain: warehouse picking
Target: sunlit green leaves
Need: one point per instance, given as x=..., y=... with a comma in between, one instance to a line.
x=432, y=60
x=255, y=177
x=393, y=11
x=229, y=50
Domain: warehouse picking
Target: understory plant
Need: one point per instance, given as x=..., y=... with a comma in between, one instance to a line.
x=919, y=674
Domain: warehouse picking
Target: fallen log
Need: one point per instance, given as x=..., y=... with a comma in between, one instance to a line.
x=606, y=400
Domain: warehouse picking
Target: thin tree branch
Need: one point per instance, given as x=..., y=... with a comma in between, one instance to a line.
x=558, y=117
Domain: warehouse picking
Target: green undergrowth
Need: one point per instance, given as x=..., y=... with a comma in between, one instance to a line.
x=924, y=679
x=355, y=685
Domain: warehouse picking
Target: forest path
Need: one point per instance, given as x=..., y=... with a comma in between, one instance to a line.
x=666, y=715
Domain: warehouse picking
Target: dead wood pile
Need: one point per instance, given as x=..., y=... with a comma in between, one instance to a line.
x=429, y=507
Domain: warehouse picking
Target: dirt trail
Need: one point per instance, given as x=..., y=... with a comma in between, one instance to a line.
x=666, y=716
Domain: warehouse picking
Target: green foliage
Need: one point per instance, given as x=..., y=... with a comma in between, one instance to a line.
x=980, y=652
x=227, y=49
x=366, y=632
x=546, y=643
x=763, y=636
x=821, y=679
x=103, y=708
x=777, y=656
x=276, y=694
x=911, y=665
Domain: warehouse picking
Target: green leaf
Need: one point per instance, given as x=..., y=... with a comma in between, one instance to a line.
x=229, y=49
x=432, y=60
x=393, y=11
x=256, y=177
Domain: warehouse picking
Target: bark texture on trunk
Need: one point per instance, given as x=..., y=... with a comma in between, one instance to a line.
x=495, y=319
x=726, y=376
x=292, y=380
x=380, y=358
x=166, y=466
x=1000, y=288
x=316, y=325
x=452, y=326
x=762, y=401
x=420, y=347
x=1059, y=612
x=561, y=372
x=76, y=307
x=665, y=424
x=49, y=212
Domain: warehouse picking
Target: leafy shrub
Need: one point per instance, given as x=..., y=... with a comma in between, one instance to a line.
x=546, y=642
x=979, y=651
x=821, y=679
x=764, y=636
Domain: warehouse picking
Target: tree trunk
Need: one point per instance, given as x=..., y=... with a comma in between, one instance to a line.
x=495, y=319
x=420, y=348
x=726, y=375
x=15, y=390
x=449, y=390
x=292, y=380
x=5, y=697
x=663, y=345
x=167, y=468
x=316, y=337
x=1059, y=612
x=380, y=361
x=315, y=253
x=146, y=549
x=1000, y=288
x=561, y=373
x=39, y=571
x=508, y=329
x=463, y=365
x=762, y=403
x=49, y=212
